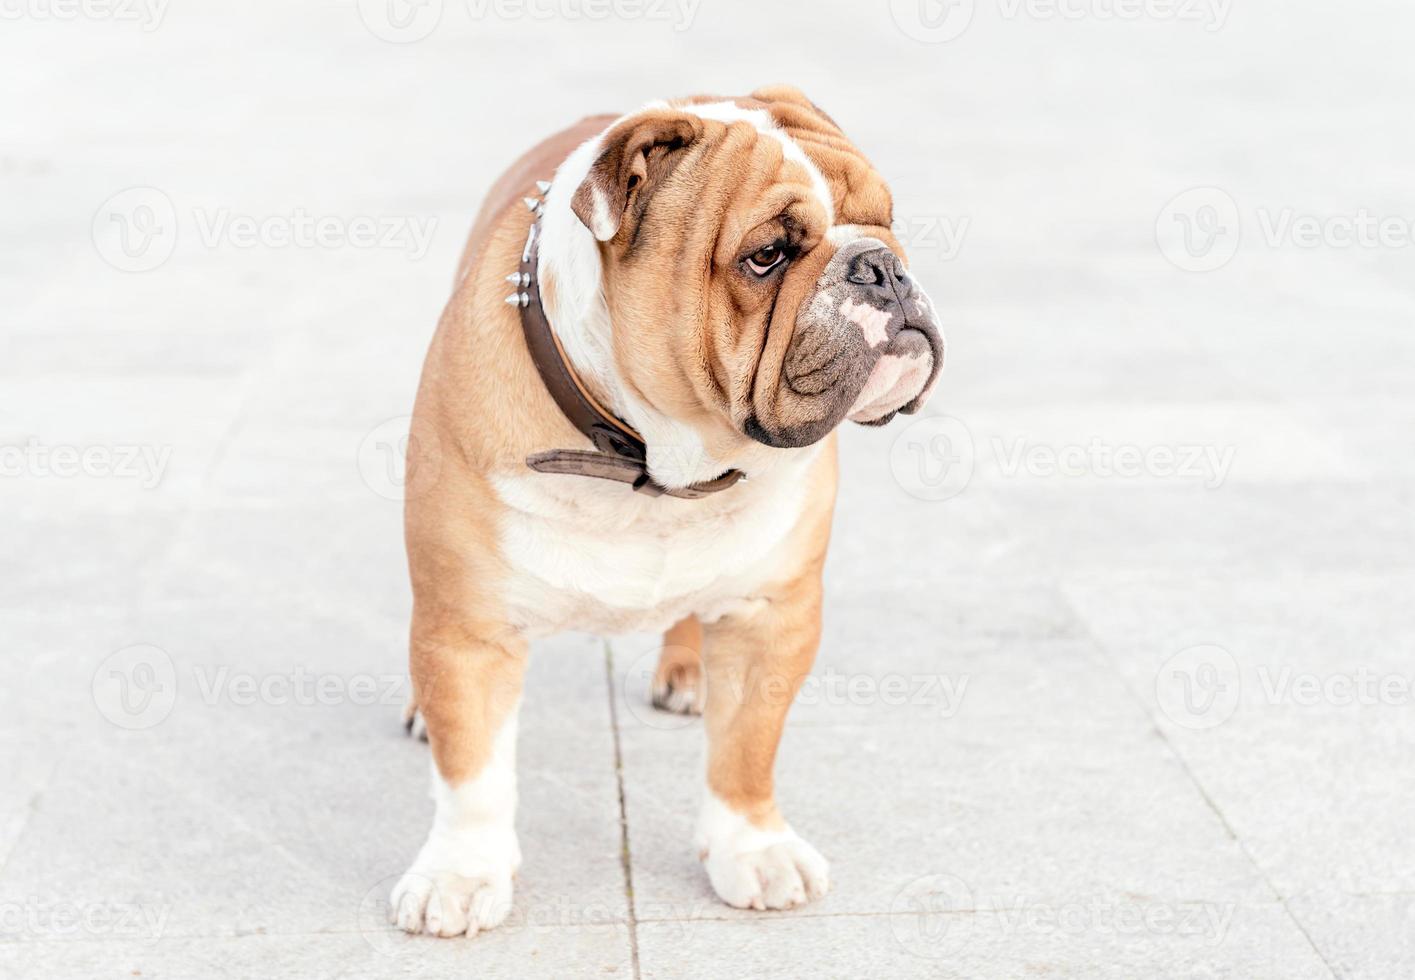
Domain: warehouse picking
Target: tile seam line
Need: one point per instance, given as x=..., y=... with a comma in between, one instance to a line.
x=1189, y=773
x=626, y=855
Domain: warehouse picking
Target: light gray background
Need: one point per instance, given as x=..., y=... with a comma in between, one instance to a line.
x=1070, y=815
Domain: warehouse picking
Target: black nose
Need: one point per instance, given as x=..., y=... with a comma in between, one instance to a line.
x=882, y=273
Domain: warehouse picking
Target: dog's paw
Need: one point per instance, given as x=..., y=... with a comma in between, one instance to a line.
x=443, y=903
x=755, y=868
x=778, y=876
x=413, y=722
x=457, y=886
x=678, y=686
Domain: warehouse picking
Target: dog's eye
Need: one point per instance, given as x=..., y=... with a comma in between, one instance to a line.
x=763, y=260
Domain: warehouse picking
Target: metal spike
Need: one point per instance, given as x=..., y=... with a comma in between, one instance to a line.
x=531, y=203
x=513, y=300
x=519, y=278
x=544, y=185
x=530, y=240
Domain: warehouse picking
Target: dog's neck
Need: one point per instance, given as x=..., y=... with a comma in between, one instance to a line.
x=578, y=313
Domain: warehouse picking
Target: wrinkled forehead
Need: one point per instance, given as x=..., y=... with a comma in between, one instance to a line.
x=850, y=190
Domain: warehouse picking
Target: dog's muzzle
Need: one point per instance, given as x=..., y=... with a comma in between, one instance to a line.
x=865, y=346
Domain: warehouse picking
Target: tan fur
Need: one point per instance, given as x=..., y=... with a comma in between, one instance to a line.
x=755, y=664
x=678, y=679
x=690, y=338
x=466, y=661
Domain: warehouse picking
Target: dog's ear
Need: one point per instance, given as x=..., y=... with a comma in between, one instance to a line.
x=633, y=157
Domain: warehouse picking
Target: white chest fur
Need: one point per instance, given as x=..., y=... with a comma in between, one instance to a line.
x=592, y=555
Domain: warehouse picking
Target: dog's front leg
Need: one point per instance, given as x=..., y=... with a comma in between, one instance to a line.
x=754, y=664
x=468, y=688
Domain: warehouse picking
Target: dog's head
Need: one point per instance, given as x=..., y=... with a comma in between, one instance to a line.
x=750, y=272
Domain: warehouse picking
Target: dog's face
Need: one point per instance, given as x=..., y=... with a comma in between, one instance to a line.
x=750, y=271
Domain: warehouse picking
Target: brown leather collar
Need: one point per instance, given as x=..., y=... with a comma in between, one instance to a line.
x=620, y=453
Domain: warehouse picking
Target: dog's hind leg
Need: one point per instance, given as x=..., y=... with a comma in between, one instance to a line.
x=678, y=681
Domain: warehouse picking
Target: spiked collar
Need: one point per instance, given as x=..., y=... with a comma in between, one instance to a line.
x=620, y=453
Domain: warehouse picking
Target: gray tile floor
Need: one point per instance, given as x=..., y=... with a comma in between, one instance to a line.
x=1118, y=666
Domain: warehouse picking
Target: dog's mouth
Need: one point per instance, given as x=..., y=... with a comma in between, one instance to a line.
x=901, y=378
x=864, y=347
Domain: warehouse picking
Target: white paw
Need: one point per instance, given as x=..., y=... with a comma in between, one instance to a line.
x=778, y=876
x=457, y=888
x=752, y=868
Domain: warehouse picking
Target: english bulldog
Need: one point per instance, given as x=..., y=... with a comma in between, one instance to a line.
x=626, y=423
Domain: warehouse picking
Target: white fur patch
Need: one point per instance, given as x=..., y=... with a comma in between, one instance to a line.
x=603, y=225
x=577, y=311
x=754, y=868
x=461, y=880
x=666, y=558
x=873, y=323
